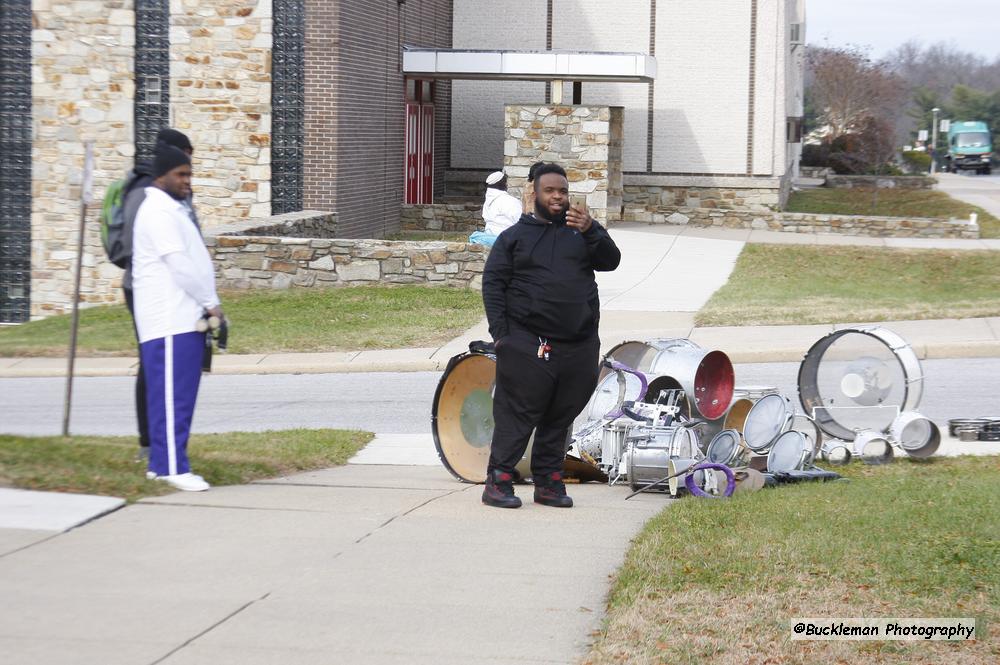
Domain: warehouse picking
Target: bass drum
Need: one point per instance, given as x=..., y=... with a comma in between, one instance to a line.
x=462, y=417
x=859, y=378
x=462, y=422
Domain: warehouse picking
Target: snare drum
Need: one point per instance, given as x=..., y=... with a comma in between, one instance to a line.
x=613, y=445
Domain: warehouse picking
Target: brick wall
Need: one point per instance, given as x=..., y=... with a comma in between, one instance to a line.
x=355, y=107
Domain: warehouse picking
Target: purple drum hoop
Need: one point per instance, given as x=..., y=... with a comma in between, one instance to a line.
x=697, y=491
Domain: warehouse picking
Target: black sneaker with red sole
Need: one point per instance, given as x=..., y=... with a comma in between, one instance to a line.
x=499, y=490
x=550, y=490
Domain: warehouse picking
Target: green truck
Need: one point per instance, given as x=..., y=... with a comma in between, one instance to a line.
x=969, y=147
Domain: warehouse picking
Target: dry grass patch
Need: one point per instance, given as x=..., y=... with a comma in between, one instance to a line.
x=719, y=581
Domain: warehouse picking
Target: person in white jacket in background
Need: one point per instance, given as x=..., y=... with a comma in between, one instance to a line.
x=173, y=281
x=500, y=210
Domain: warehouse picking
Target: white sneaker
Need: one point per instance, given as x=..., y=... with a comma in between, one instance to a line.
x=187, y=482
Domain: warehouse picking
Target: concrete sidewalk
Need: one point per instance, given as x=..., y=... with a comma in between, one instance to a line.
x=358, y=564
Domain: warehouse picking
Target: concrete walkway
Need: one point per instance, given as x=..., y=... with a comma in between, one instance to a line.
x=359, y=564
x=982, y=191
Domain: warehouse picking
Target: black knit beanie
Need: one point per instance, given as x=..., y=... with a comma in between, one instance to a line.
x=167, y=159
x=174, y=138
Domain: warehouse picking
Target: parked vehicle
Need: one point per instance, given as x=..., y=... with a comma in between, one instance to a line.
x=969, y=147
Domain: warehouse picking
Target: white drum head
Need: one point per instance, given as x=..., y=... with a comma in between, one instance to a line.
x=767, y=419
x=789, y=452
x=724, y=447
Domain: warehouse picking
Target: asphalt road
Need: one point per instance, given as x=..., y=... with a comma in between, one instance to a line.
x=980, y=190
x=387, y=402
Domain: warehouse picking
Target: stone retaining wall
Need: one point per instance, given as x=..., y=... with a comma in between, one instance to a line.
x=798, y=222
x=246, y=258
x=448, y=217
x=881, y=182
x=727, y=198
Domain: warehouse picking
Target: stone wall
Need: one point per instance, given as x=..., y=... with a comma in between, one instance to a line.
x=881, y=182
x=303, y=224
x=82, y=90
x=448, y=217
x=220, y=94
x=797, y=222
x=728, y=198
x=584, y=140
x=245, y=260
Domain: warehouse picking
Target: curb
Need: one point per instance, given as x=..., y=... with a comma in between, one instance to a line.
x=437, y=362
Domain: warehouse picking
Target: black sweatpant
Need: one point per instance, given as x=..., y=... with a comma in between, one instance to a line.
x=532, y=393
x=140, y=380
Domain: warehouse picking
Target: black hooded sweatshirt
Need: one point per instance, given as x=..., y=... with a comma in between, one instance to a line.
x=540, y=276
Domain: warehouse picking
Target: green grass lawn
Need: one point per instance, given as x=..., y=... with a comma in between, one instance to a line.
x=890, y=203
x=780, y=284
x=716, y=581
x=108, y=466
x=337, y=319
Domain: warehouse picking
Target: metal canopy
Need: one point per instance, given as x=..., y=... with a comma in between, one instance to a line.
x=529, y=65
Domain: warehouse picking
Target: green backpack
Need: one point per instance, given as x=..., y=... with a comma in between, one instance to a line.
x=114, y=237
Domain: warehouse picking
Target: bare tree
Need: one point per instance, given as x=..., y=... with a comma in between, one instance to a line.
x=847, y=88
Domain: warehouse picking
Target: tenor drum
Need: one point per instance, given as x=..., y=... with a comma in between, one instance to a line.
x=859, y=378
x=726, y=448
x=917, y=435
x=706, y=376
x=873, y=447
x=744, y=397
x=766, y=420
x=790, y=452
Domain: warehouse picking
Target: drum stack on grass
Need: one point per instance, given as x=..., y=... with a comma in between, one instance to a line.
x=667, y=416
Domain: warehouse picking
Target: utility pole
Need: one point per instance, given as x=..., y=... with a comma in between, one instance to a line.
x=934, y=130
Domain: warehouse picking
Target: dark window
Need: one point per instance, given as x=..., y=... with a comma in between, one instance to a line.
x=793, y=130
x=15, y=161
x=152, y=73
x=288, y=130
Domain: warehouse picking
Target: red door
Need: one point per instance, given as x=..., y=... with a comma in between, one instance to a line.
x=412, y=153
x=419, y=141
x=427, y=153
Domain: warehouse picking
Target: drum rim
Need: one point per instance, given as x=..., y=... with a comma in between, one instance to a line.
x=803, y=451
x=809, y=396
x=453, y=362
x=736, y=448
x=789, y=414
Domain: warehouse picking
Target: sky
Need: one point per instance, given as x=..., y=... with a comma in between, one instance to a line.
x=969, y=25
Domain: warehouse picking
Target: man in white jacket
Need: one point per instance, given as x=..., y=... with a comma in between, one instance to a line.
x=173, y=282
x=500, y=210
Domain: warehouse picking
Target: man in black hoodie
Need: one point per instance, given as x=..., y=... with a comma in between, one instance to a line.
x=136, y=183
x=543, y=309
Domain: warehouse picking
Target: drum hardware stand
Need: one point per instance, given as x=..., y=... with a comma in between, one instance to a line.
x=660, y=481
